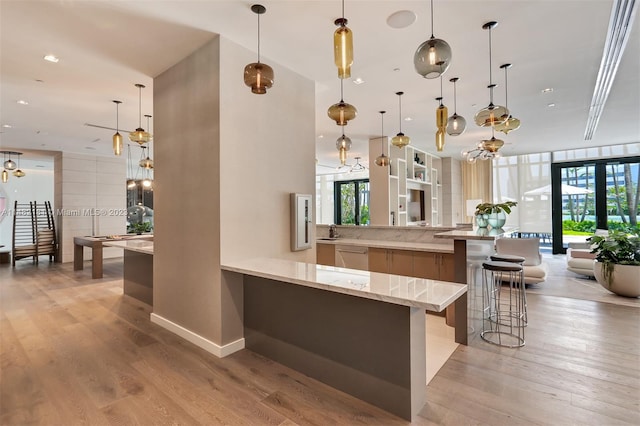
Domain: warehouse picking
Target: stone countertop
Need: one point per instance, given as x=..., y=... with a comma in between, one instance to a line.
x=432, y=295
x=140, y=246
x=443, y=247
x=476, y=234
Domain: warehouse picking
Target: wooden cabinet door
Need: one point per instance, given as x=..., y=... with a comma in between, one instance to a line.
x=425, y=265
x=378, y=260
x=401, y=262
x=447, y=267
x=325, y=254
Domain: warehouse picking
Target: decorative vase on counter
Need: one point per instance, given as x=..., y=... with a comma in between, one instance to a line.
x=482, y=220
x=497, y=220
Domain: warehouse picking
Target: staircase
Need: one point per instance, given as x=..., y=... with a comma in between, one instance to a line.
x=34, y=231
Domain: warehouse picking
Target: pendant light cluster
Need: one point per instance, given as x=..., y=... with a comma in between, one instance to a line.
x=10, y=165
x=258, y=75
x=342, y=112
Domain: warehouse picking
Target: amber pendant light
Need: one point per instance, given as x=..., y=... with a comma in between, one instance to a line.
x=492, y=114
x=117, y=138
x=257, y=75
x=342, y=112
x=343, y=46
x=433, y=57
x=510, y=123
x=400, y=140
x=5, y=176
x=18, y=172
x=456, y=125
x=140, y=136
x=442, y=114
x=382, y=160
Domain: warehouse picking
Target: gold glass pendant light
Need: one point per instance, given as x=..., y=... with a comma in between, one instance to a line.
x=145, y=161
x=456, y=124
x=433, y=57
x=492, y=114
x=442, y=112
x=343, y=46
x=342, y=112
x=17, y=172
x=382, y=160
x=510, y=123
x=343, y=156
x=140, y=136
x=400, y=140
x=5, y=176
x=257, y=75
x=117, y=137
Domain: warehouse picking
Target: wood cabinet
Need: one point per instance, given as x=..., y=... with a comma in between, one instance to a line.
x=435, y=266
x=325, y=254
x=391, y=261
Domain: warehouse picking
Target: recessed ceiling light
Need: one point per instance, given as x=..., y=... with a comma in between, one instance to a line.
x=396, y=69
x=547, y=90
x=401, y=19
x=37, y=80
x=21, y=102
x=320, y=136
x=408, y=119
x=51, y=58
x=7, y=126
x=40, y=166
x=551, y=105
x=358, y=81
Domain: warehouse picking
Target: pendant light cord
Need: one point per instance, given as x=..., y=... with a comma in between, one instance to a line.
x=490, y=74
x=140, y=106
x=258, y=38
x=117, y=121
x=400, y=112
x=455, y=102
x=506, y=90
x=432, y=19
x=382, y=130
x=440, y=89
x=341, y=90
x=343, y=9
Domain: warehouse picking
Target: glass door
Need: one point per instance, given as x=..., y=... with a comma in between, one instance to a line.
x=352, y=202
x=590, y=195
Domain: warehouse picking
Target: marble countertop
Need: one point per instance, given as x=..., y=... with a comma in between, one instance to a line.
x=141, y=246
x=432, y=295
x=443, y=247
x=476, y=234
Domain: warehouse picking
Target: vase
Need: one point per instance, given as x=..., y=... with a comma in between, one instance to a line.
x=625, y=280
x=482, y=220
x=497, y=220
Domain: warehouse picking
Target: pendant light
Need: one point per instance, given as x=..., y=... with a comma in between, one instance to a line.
x=510, y=123
x=433, y=57
x=400, y=140
x=343, y=46
x=17, y=172
x=117, y=138
x=342, y=112
x=257, y=75
x=343, y=144
x=146, y=162
x=382, y=160
x=357, y=167
x=343, y=156
x=10, y=164
x=441, y=121
x=140, y=136
x=492, y=114
x=5, y=176
x=456, y=124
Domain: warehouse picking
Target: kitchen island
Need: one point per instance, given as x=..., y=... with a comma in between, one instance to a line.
x=138, y=268
x=360, y=332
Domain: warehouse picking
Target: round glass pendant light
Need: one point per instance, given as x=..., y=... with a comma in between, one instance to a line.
x=257, y=75
x=343, y=46
x=146, y=162
x=343, y=142
x=492, y=114
x=10, y=164
x=400, y=140
x=342, y=112
x=433, y=56
x=382, y=160
x=117, y=137
x=140, y=136
x=510, y=123
x=456, y=124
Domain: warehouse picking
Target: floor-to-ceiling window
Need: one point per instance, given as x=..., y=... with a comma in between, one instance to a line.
x=352, y=202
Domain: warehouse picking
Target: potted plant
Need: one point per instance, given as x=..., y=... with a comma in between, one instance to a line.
x=617, y=266
x=494, y=214
x=139, y=228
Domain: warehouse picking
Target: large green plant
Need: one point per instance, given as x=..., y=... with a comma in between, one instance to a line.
x=488, y=208
x=618, y=247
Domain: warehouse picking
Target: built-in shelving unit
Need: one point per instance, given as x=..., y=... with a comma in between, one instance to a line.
x=409, y=191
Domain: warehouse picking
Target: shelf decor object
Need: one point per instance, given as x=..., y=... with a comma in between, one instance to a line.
x=510, y=123
x=382, y=160
x=491, y=115
x=433, y=57
x=140, y=136
x=257, y=75
x=342, y=112
x=343, y=46
x=117, y=137
x=400, y=140
x=456, y=125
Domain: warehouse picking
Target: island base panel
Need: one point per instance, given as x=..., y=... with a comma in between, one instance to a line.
x=370, y=349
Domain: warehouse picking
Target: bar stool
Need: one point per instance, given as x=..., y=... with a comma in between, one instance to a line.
x=498, y=257
x=503, y=315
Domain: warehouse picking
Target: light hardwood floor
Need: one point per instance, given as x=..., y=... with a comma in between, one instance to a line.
x=76, y=351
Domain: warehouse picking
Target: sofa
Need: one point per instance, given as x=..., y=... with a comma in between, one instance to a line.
x=535, y=269
x=580, y=259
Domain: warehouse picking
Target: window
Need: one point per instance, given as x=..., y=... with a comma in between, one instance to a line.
x=351, y=202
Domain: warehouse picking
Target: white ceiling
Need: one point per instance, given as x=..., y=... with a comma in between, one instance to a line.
x=105, y=47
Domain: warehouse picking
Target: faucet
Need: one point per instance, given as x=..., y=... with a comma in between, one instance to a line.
x=332, y=231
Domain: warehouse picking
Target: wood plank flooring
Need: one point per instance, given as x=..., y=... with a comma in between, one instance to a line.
x=75, y=351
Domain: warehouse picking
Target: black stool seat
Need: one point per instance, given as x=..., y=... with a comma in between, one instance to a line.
x=492, y=265
x=507, y=258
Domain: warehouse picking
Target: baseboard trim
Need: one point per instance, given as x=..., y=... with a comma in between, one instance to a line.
x=196, y=339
